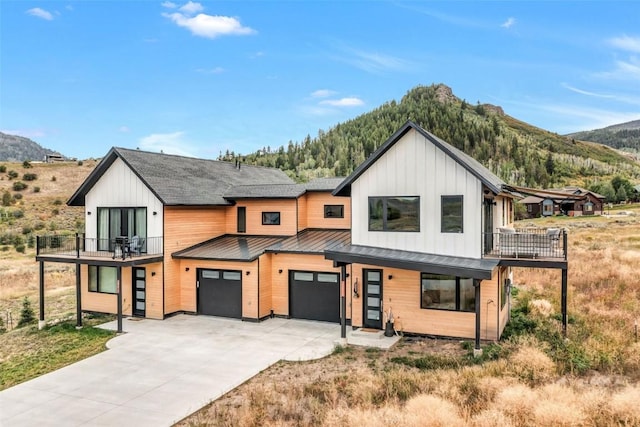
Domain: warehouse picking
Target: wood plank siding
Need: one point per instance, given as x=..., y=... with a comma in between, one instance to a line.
x=416, y=167
x=265, y=283
x=402, y=292
x=188, y=279
x=314, y=213
x=184, y=227
x=255, y=208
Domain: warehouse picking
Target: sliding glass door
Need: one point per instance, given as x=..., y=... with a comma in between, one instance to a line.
x=121, y=222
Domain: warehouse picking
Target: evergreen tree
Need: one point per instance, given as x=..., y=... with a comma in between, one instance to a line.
x=621, y=194
x=27, y=316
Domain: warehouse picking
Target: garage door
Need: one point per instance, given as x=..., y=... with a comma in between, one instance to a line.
x=220, y=293
x=314, y=295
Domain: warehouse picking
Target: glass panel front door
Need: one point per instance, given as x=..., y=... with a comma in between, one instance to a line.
x=139, y=291
x=372, y=299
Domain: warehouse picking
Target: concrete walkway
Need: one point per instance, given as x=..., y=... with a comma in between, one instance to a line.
x=161, y=371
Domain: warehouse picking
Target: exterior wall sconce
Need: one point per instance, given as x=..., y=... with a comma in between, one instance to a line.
x=88, y=212
x=153, y=273
x=247, y=273
x=280, y=271
x=155, y=213
x=390, y=277
x=186, y=269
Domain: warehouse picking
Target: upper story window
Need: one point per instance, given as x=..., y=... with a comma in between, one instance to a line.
x=242, y=219
x=117, y=222
x=334, y=211
x=270, y=218
x=394, y=213
x=447, y=293
x=452, y=214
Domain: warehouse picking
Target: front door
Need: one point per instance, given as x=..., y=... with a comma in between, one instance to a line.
x=488, y=226
x=139, y=287
x=372, y=299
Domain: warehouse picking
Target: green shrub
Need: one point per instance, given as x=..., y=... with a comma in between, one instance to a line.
x=6, y=199
x=12, y=174
x=36, y=189
x=57, y=202
x=39, y=226
x=55, y=212
x=27, y=316
x=18, y=213
x=20, y=248
x=29, y=176
x=31, y=241
x=26, y=164
x=19, y=186
x=79, y=162
x=3, y=169
x=17, y=196
x=53, y=178
x=26, y=229
x=4, y=248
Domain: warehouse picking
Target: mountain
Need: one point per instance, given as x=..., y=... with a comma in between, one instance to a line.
x=519, y=153
x=625, y=136
x=15, y=148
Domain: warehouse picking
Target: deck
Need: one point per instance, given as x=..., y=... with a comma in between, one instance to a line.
x=527, y=244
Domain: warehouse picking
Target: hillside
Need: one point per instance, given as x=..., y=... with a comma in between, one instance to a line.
x=519, y=153
x=624, y=136
x=15, y=148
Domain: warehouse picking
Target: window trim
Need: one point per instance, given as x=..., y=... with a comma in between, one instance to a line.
x=270, y=213
x=457, y=308
x=340, y=215
x=139, y=213
x=98, y=288
x=451, y=198
x=385, y=207
x=241, y=220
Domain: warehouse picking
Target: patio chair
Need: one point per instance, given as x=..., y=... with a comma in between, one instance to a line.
x=135, y=245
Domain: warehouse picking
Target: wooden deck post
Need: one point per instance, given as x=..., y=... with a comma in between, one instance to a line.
x=477, y=350
x=343, y=301
x=41, y=322
x=78, y=298
x=564, y=302
x=119, y=292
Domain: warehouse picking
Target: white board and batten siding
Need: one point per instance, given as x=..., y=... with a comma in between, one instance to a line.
x=119, y=187
x=414, y=166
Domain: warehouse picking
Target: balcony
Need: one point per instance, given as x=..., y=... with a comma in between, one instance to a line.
x=63, y=247
x=526, y=243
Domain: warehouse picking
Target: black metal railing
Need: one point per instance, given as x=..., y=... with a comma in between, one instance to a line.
x=549, y=243
x=80, y=246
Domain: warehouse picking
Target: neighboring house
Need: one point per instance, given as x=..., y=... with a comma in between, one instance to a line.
x=417, y=230
x=571, y=201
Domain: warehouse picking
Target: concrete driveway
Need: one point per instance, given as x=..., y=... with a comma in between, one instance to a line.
x=161, y=371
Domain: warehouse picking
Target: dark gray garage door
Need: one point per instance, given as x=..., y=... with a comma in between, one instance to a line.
x=314, y=295
x=220, y=293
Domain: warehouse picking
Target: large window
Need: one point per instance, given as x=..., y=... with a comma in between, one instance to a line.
x=394, y=213
x=452, y=217
x=103, y=279
x=270, y=218
x=242, y=219
x=116, y=222
x=447, y=293
x=334, y=211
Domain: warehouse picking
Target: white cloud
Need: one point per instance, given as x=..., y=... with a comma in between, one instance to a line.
x=124, y=129
x=510, y=22
x=169, y=4
x=215, y=70
x=209, y=26
x=343, y=102
x=584, y=92
x=191, y=8
x=168, y=143
x=628, y=43
x=322, y=93
x=40, y=13
x=624, y=70
x=372, y=62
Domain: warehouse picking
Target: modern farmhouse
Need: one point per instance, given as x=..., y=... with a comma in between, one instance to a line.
x=420, y=234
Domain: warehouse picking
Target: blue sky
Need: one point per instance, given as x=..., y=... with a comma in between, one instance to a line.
x=198, y=78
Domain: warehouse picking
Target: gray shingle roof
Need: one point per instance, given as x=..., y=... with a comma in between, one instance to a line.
x=324, y=184
x=229, y=248
x=281, y=191
x=178, y=180
x=487, y=177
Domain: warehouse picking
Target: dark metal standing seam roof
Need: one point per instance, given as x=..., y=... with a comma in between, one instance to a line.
x=312, y=241
x=417, y=261
x=178, y=180
x=487, y=177
x=229, y=248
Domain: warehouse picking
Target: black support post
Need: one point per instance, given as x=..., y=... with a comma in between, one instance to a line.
x=476, y=349
x=119, y=284
x=41, y=302
x=564, y=302
x=78, y=298
x=343, y=301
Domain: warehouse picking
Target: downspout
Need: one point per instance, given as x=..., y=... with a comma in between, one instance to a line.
x=258, y=289
x=343, y=304
x=41, y=321
x=477, y=350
